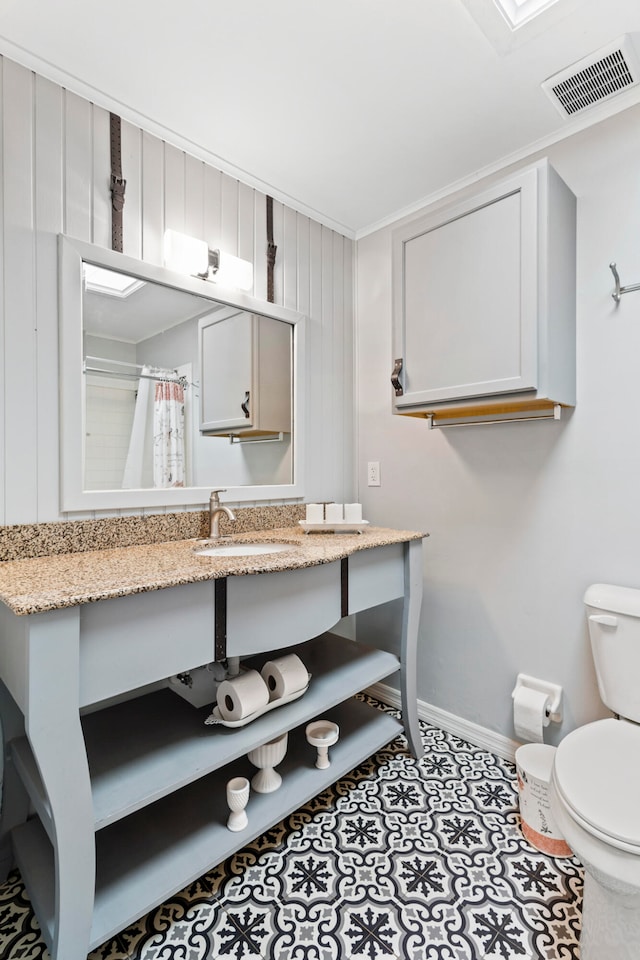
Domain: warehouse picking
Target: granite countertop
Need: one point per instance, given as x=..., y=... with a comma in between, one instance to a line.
x=50, y=583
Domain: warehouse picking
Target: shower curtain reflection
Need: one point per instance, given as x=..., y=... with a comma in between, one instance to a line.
x=156, y=455
x=134, y=470
x=168, y=435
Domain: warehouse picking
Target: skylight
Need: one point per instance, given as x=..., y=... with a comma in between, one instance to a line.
x=517, y=12
x=507, y=24
x=108, y=283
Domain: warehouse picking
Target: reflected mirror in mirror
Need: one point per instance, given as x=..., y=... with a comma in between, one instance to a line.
x=179, y=392
x=144, y=389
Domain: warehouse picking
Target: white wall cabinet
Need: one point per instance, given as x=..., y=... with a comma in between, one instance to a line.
x=245, y=374
x=484, y=303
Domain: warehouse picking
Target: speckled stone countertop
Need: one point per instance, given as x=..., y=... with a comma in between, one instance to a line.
x=67, y=580
x=26, y=540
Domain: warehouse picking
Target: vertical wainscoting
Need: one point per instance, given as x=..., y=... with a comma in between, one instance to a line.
x=55, y=165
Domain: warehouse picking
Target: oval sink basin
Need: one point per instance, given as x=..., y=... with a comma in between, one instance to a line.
x=243, y=549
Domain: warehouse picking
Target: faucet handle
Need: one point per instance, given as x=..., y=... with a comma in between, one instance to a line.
x=214, y=498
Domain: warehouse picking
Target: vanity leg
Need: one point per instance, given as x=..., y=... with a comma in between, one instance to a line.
x=410, y=623
x=55, y=734
x=15, y=800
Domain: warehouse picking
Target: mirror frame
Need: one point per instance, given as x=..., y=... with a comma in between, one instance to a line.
x=71, y=255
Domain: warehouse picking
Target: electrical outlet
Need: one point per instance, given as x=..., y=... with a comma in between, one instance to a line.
x=373, y=473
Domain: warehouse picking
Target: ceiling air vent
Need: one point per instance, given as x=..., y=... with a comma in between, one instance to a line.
x=596, y=78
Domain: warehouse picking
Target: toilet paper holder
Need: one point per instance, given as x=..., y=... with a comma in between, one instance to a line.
x=552, y=690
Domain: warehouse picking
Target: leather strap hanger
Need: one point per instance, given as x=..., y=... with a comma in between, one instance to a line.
x=118, y=184
x=271, y=250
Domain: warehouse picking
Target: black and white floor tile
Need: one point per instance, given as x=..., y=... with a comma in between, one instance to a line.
x=401, y=859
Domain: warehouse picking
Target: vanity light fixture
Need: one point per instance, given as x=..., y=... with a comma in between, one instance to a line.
x=187, y=255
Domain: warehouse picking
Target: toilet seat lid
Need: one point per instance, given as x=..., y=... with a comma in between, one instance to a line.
x=597, y=773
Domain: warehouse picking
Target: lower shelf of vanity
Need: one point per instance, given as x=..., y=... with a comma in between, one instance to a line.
x=145, y=748
x=158, y=777
x=145, y=858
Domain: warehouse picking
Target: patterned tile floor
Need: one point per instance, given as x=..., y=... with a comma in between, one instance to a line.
x=401, y=859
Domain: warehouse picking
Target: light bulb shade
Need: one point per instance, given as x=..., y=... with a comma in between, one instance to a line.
x=233, y=271
x=185, y=254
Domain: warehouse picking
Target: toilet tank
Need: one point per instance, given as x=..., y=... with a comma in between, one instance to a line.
x=614, y=629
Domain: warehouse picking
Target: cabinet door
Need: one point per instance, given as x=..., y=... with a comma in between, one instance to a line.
x=226, y=372
x=466, y=297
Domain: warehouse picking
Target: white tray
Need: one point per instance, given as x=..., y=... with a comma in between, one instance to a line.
x=215, y=717
x=343, y=526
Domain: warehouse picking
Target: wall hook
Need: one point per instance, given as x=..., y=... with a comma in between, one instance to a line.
x=617, y=293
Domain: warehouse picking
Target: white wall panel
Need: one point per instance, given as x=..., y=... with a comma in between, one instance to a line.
x=347, y=426
x=174, y=189
x=78, y=167
x=303, y=274
x=194, y=197
x=55, y=169
x=49, y=129
x=228, y=238
x=316, y=486
x=338, y=358
x=21, y=431
x=152, y=194
x=290, y=258
x=212, y=206
x=329, y=389
x=3, y=404
x=246, y=222
x=101, y=181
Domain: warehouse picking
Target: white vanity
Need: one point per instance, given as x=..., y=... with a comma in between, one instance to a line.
x=113, y=807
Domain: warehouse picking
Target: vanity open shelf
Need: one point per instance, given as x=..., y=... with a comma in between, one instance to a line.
x=145, y=858
x=145, y=748
x=114, y=794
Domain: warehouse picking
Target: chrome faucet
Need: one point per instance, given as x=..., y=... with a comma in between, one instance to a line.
x=215, y=509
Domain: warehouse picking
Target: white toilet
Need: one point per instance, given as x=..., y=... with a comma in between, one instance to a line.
x=595, y=783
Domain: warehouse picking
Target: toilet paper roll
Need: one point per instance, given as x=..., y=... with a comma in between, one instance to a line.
x=353, y=512
x=284, y=676
x=242, y=696
x=530, y=714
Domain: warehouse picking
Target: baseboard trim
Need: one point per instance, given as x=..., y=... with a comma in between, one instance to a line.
x=458, y=726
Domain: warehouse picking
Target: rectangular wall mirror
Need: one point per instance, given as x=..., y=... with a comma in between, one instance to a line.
x=171, y=386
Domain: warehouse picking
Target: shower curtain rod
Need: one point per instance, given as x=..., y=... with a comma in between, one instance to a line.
x=171, y=376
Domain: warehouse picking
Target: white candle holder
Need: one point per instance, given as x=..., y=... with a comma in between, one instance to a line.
x=322, y=734
x=266, y=757
x=353, y=513
x=237, y=799
x=333, y=513
x=315, y=513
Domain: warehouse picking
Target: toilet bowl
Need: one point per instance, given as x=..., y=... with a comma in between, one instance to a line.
x=595, y=783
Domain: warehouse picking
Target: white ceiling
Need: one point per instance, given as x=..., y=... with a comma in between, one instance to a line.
x=148, y=311
x=353, y=111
